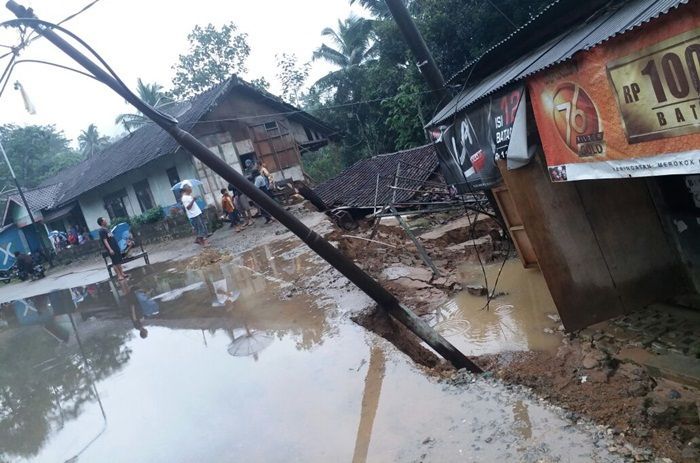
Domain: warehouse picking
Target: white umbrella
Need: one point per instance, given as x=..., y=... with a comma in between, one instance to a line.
x=178, y=186
x=249, y=343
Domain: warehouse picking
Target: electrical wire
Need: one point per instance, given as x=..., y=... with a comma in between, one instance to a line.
x=154, y=113
x=503, y=14
x=300, y=111
x=31, y=39
x=60, y=66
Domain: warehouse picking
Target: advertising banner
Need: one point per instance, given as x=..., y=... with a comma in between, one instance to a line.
x=468, y=148
x=627, y=108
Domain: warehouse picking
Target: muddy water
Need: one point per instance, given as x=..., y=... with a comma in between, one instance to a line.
x=229, y=372
x=516, y=320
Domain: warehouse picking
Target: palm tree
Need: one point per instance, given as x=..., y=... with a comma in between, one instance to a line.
x=154, y=95
x=90, y=141
x=353, y=45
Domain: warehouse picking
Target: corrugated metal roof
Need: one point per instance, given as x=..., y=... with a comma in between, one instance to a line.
x=598, y=29
x=356, y=185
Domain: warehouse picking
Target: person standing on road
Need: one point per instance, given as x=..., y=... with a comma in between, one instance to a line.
x=109, y=243
x=229, y=209
x=261, y=183
x=194, y=213
x=241, y=203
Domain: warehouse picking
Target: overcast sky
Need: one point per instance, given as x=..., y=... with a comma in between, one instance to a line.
x=143, y=38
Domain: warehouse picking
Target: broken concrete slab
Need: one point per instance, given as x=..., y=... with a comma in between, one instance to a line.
x=409, y=283
x=469, y=244
x=396, y=272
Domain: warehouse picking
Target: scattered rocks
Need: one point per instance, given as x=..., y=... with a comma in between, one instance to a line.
x=660, y=414
x=592, y=359
x=690, y=454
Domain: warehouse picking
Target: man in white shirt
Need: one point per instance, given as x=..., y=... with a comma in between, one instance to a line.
x=194, y=213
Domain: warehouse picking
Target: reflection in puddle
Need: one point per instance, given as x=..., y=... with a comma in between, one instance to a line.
x=515, y=321
x=522, y=419
x=370, y=403
x=228, y=372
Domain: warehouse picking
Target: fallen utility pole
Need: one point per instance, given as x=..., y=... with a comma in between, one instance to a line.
x=323, y=248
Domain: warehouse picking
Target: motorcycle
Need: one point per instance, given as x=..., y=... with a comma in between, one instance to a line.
x=38, y=272
x=6, y=275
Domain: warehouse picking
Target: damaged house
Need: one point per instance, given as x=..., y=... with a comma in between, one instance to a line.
x=135, y=174
x=584, y=125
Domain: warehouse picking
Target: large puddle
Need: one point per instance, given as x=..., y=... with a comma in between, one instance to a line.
x=220, y=369
x=522, y=317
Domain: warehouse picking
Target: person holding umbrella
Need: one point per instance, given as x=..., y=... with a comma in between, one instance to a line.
x=194, y=213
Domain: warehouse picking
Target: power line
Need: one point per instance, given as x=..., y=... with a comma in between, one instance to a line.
x=34, y=36
x=503, y=14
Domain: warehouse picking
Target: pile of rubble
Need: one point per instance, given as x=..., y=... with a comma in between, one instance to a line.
x=206, y=258
x=390, y=256
x=591, y=376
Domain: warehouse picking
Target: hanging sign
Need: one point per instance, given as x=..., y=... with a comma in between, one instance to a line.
x=467, y=149
x=627, y=108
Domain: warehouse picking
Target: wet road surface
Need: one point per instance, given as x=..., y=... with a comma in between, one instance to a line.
x=228, y=371
x=522, y=317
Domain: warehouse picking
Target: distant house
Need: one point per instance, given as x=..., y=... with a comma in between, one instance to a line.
x=16, y=232
x=368, y=183
x=236, y=120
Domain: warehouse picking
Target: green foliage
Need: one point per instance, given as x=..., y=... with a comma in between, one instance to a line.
x=153, y=215
x=36, y=152
x=323, y=164
x=458, y=31
x=213, y=56
x=375, y=96
x=260, y=83
x=154, y=95
x=91, y=142
x=405, y=116
x=292, y=76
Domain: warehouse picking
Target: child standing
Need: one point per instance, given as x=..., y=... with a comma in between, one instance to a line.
x=229, y=209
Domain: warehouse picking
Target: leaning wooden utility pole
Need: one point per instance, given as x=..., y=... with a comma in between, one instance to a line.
x=424, y=59
x=322, y=247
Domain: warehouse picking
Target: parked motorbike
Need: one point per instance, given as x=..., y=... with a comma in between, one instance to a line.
x=36, y=273
x=6, y=275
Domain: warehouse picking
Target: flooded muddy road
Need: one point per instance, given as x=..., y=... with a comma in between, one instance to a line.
x=521, y=317
x=233, y=363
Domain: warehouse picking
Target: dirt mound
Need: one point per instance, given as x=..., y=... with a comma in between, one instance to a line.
x=208, y=256
x=586, y=381
x=391, y=248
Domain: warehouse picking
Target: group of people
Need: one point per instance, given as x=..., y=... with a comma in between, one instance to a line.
x=236, y=205
x=76, y=235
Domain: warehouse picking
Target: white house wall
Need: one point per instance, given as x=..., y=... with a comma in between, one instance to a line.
x=92, y=203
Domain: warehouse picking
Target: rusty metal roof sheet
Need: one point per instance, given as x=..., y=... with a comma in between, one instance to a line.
x=356, y=185
x=599, y=28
